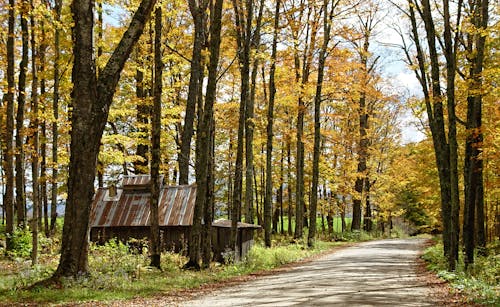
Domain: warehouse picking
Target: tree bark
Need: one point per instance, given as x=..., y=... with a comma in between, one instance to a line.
x=243, y=20
x=143, y=115
x=198, y=12
x=34, y=138
x=270, y=121
x=473, y=163
x=204, y=156
x=8, y=156
x=55, y=110
x=21, y=105
x=42, y=180
x=155, y=144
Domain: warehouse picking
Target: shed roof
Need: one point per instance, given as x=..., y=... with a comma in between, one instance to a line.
x=131, y=207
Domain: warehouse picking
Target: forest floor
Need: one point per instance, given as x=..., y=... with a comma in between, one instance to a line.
x=375, y=273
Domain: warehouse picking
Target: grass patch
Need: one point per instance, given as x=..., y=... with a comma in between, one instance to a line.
x=480, y=283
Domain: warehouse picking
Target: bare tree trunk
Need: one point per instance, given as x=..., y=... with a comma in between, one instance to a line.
x=367, y=218
x=143, y=115
x=42, y=181
x=34, y=150
x=473, y=162
x=155, y=144
x=280, y=193
x=199, y=19
x=289, y=185
x=270, y=121
x=243, y=20
x=8, y=134
x=204, y=149
x=55, y=110
x=21, y=104
x=327, y=19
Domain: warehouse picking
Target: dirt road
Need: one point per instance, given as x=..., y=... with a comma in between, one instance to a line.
x=377, y=273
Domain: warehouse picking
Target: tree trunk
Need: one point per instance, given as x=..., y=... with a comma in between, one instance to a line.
x=155, y=144
x=42, y=180
x=289, y=185
x=367, y=218
x=249, y=116
x=473, y=163
x=21, y=102
x=243, y=20
x=143, y=115
x=8, y=166
x=434, y=108
x=327, y=19
x=280, y=192
x=34, y=150
x=204, y=157
x=194, y=91
x=92, y=98
x=55, y=110
x=450, y=55
x=270, y=121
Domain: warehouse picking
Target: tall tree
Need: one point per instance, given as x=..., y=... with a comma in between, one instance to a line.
x=207, y=142
x=450, y=51
x=21, y=105
x=198, y=12
x=250, y=120
x=155, y=144
x=368, y=21
x=270, y=121
x=328, y=11
x=92, y=98
x=55, y=110
x=34, y=138
x=204, y=156
x=473, y=166
x=445, y=144
x=243, y=22
x=8, y=153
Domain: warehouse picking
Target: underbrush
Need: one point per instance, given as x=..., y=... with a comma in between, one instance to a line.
x=480, y=283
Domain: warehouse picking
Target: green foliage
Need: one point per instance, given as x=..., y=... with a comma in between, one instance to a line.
x=21, y=243
x=414, y=211
x=479, y=283
x=260, y=258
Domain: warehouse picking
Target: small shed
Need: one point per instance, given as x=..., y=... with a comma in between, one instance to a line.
x=221, y=235
x=124, y=213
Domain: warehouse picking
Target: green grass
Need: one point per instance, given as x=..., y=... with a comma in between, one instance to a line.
x=116, y=273
x=480, y=283
x=337, y=224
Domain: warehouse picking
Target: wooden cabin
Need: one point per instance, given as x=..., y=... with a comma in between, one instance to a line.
x=123, y=213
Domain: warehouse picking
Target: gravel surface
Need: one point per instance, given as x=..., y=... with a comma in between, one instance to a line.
x=376, y=273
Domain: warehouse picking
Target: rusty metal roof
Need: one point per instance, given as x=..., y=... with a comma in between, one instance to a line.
x=131, y=207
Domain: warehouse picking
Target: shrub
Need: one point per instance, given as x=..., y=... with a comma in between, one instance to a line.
x=21, y=240
x=479, y=283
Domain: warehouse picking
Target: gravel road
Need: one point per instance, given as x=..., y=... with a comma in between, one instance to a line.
x=376, y=273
